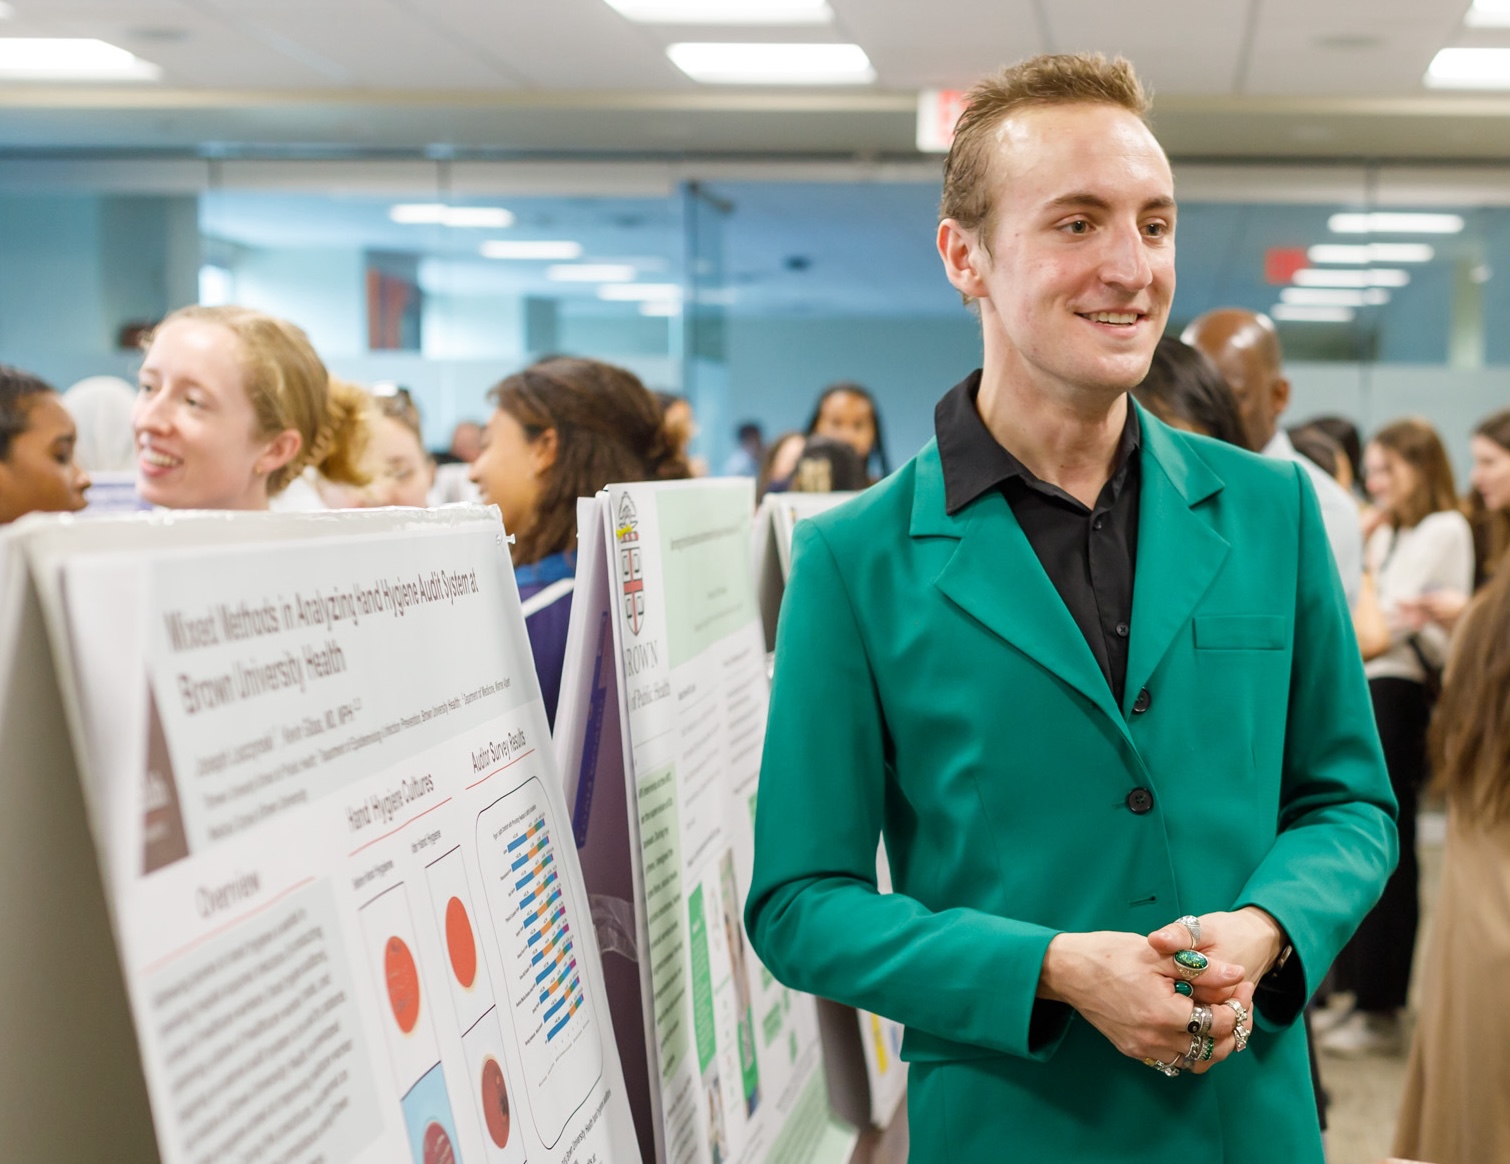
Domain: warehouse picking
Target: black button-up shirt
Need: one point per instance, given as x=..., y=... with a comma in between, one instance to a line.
x=1089, y=554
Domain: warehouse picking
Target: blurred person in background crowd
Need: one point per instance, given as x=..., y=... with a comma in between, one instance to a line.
x=1350, y=470
x=1185, y=391
x=101, y=408
x=1322, y=450
x=466, y=444
x=681, y=423
x=826, y=465
x=1453, y=1110
x=745, y=460
x=1489, y=498
x=563, y=429
x=848, y=412
x=1245, y=349
x=233, y=405
x=1420, y=544
x=398, y=464
x=37, y=468
x=779, y=463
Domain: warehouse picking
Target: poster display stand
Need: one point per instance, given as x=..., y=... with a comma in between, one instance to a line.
x=347, y=914
x=659, y=733
x=867, y=1077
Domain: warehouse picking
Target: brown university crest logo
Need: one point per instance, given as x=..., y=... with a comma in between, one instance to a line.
x=627, y=532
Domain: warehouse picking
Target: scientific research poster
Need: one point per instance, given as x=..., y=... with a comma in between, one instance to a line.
x=343, y=886
x=737, y=1069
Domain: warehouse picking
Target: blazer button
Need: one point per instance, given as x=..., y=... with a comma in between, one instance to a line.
x=1140, y=800
x=1143, y=702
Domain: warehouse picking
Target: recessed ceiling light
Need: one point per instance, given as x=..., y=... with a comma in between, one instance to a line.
x=724, y=11
x=640, y=292
x=1488, y=14
x=1354, y=277
x=591, y=273
x=1469, y=68
x=531, y=249
x=36, y=58
x=1334, y=297
x=773, y=64
x=1371, y=253
x=439, y=214
x=663, y=308
x=1384, y=222
x=1293, y=313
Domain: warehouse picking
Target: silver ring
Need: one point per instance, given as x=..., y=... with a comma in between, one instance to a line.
x=1240, y=1036
x=1190, y=964
x=1193, y=924
x=1163, y=1068
x=1193, y=1052
x=1237, y=1008
x=1200, y=1020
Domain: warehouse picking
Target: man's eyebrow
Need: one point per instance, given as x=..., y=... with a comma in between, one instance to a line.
x=1084, y=200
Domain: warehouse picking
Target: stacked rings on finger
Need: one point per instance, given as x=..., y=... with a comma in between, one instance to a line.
x=1207, y=1049
x=1193, y=924
x=1240, y=1032
x=1169, y=1069
x=1200, y=1020
x=1191, y=964
x=1193, y=1052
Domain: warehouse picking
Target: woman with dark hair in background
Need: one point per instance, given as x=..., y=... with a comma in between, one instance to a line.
x=1321, y=450
x=563, y=429
x=1420, y=544
x=1350, y=470
x=1453, y=1109
x=1185, y=391
x=37, y=469
x=1488, y=503
x=847, y=411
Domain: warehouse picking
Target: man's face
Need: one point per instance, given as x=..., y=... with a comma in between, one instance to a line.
x=1080, y=274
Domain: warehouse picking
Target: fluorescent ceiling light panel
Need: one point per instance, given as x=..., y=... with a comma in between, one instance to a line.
x=663, y=307
x=1293, y=313
x=439, y=214
x=1488, y=14
x=557, y=250
x=1469, y=68
x=1334, y=297
x=35, y=58
x=641, y=292
x=773, y=64
x=724, y=11
x=6, y=11
x=1366, y=253
x=1354, y=277
x=1387, y=222
x=591, y=273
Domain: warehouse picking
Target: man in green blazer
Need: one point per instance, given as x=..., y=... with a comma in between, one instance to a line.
x=1087, y=675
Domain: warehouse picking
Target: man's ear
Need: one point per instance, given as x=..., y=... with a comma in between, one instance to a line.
x=962, y=256
x=1279, y=396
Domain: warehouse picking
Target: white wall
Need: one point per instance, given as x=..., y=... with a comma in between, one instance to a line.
x=323, y=291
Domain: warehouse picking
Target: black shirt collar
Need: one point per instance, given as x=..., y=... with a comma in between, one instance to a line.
x=975, y=463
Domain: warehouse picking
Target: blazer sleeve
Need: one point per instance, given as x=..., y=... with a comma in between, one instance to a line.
x=814, y=914
x=1337, y=842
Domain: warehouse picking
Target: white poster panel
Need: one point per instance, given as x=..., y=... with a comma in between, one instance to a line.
x=736, y=1058
x=352, y=925
x=867, y=1078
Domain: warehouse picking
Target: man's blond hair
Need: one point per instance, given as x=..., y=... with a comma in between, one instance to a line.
x=1064, y=79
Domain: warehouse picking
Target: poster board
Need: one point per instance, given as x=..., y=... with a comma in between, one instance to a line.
x=336, y=863
x=867, y=1077
x=659, y=731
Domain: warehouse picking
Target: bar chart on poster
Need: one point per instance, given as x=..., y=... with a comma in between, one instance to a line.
x=665, y=606
x=327, y=815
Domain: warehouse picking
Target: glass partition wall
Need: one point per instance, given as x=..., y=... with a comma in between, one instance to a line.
x=747, y=290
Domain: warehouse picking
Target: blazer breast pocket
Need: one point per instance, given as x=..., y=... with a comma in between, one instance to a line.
x=1241, y=632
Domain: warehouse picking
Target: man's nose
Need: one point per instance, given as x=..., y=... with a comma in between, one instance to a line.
x=1125, y=262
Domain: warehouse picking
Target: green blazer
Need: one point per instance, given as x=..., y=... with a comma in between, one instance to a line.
x=931, y=687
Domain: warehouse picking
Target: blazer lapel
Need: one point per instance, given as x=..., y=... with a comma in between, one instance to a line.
x=1179, y=554
x=995, y=577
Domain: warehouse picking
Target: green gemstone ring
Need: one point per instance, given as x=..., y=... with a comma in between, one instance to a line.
x=1184, y=988
x=1191, y=963
x=1208, y=1048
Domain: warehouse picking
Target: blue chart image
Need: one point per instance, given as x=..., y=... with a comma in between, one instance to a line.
x=427, y=1116
x=547, y=932
x=534, y=897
